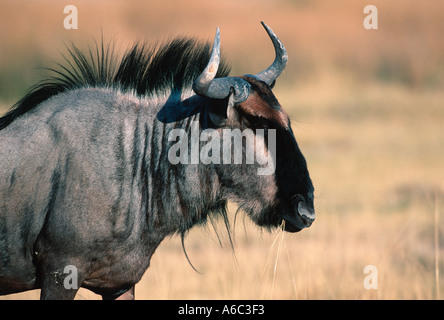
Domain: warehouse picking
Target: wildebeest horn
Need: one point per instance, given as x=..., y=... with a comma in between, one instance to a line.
x=206, y=85
x=280, y=62
x=203, y=82
x=219, y=88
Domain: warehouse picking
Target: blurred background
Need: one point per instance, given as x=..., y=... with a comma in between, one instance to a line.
x=368, y=113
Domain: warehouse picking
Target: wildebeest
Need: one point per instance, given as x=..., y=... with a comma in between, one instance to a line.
x=85, y=179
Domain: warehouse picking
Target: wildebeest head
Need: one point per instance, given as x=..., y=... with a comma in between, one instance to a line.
x=286, y=194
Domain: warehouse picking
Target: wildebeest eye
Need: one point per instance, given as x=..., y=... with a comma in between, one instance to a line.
x=257, y=122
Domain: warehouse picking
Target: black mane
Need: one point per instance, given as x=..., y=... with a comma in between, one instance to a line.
x=144, y=69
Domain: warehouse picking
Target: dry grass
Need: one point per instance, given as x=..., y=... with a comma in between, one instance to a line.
x=367, y=113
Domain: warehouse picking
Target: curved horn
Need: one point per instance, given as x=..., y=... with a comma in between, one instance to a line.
x=205, y=85
x=272, y=72
x=203, y=82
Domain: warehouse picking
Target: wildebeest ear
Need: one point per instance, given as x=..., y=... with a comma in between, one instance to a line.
x=273, y=84
x=232, y=113
x=220, y=119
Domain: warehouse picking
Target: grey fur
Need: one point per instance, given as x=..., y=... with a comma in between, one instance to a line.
x=85, y=181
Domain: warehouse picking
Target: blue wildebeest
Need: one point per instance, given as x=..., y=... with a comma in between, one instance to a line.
x=85, y=175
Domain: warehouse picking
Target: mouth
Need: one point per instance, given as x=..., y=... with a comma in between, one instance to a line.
x=303, y=218
x=290, y=227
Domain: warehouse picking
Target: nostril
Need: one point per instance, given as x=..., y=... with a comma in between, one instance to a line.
x=307, y=220
x=307, y=215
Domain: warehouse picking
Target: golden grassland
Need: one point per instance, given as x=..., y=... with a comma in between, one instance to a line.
x=367, y=112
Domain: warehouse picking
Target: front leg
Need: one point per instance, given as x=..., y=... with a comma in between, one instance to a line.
x=60, y=283
x=129, y=295
x=120, y=295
